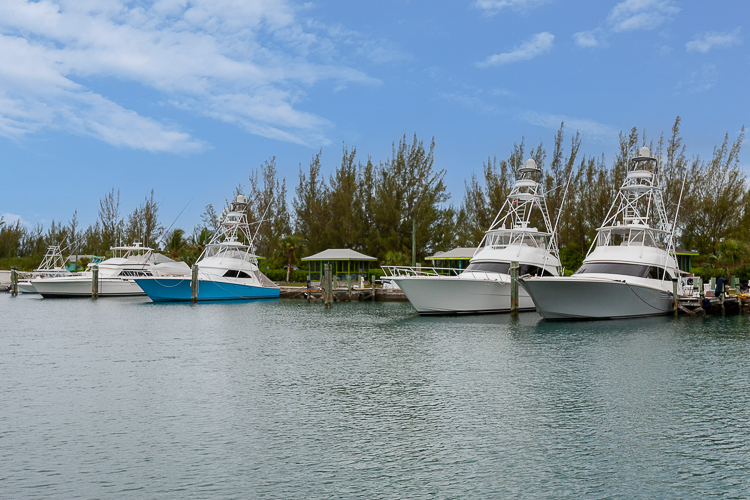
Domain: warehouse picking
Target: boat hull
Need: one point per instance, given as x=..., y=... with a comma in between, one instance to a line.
x=81, y=287
x=178, y=290
x=566, y=298
x=26, y=287
x=453, y=295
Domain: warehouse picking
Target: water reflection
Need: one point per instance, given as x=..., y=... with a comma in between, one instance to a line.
x=288, y=399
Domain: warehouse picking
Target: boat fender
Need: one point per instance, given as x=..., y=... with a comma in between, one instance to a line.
x=706, y=303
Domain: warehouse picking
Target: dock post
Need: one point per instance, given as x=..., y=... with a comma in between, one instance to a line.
x=95, y=281
x=675, y=301
x=13, y=281
x=372, y=284
x=308, y=289
x=194, y=285
x=328, y=290
x=514, y=288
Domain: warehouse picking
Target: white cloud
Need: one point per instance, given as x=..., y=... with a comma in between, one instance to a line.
x=246, y=63
x=586, y=127
x=590, y=39
x=492, y=7
x=714, y=39
x=538, y=45
x=631, y=15
x=11, y=219
x=700, y=80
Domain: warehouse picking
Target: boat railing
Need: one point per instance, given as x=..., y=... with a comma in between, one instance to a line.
x=434, y=272
x=398, y=271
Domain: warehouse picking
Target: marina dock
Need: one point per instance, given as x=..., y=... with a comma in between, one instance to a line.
x=344, y=294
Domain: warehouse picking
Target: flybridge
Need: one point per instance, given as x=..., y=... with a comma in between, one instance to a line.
x=640, y=218
x=512, y=226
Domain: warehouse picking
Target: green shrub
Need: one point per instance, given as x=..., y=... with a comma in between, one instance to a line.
x=21, y=263
x=376, y=274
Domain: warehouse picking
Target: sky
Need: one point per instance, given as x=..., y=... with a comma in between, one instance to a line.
x=189, y=97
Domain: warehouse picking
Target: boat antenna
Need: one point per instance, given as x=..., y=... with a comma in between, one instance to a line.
x=164, y=233
x=557, y=221
x=670, y=247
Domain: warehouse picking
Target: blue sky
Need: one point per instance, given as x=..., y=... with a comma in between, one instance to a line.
x=187, y=97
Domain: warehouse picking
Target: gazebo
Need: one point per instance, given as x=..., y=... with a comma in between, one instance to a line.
x=347, y=264
x=684, y=258
x=458, y=258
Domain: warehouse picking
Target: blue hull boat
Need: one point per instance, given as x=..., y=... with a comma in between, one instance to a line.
x=178, y=290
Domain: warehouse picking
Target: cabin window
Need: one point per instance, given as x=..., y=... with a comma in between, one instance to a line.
x=489, y=267
x=135, y=273
x=236, y=274
x=614, y=268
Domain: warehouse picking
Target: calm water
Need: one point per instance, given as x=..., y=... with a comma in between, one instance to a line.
x=128, y=399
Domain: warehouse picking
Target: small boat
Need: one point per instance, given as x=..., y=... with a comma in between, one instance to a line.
x=484, y=286
x=629, y=268
x=115, y=275
x=52, y=266
x=227, y=268
x=5, y=280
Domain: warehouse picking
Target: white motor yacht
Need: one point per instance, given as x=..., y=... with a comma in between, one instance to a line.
x=227, y=268
x=53, y=265
x=484, y=286
x=630, y=265
x=116, y=274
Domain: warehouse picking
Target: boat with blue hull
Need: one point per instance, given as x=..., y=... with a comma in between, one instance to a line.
x=178, y=290
x=227, y=268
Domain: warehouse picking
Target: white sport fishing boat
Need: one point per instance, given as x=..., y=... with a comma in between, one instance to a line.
x=484, y=286
x=227, y=268
x=52, y=266
x=116, y=274
x=630, y=270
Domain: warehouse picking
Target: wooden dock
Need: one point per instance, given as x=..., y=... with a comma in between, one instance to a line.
x=697, y=306
x=343, y=294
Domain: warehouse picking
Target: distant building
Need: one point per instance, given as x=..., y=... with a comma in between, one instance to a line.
x=70, y=262
x=348, y=264
x=458, y=258
x=684, y=258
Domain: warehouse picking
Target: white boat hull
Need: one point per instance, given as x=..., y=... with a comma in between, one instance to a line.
x=453, y=295
x=26, y=287
x=570, y=298
x=81, y=287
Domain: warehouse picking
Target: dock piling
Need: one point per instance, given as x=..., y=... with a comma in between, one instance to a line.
x=95, y=281
x=514, y=288
x=13, y=281
x=328, y=286
x=675, y=300
x=194, y=285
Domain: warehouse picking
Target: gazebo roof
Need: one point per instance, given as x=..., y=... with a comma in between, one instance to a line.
x=339, y=254
x=460, y=253
x=682, y=251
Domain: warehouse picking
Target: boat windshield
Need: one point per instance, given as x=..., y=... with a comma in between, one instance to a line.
x=504, y=268
x=228, y=252
x=488, y=267
x=504, y=238
x=636, y=270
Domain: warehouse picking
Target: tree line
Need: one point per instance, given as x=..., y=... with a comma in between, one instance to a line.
x=373, y=207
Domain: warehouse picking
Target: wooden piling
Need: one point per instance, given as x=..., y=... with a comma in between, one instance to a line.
x=13, y=281
x=514, y=288
x=372, y=284
x=328, y=289
x=309, y=294
x=675, y=301
x=95, y=281
x=194, y=285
